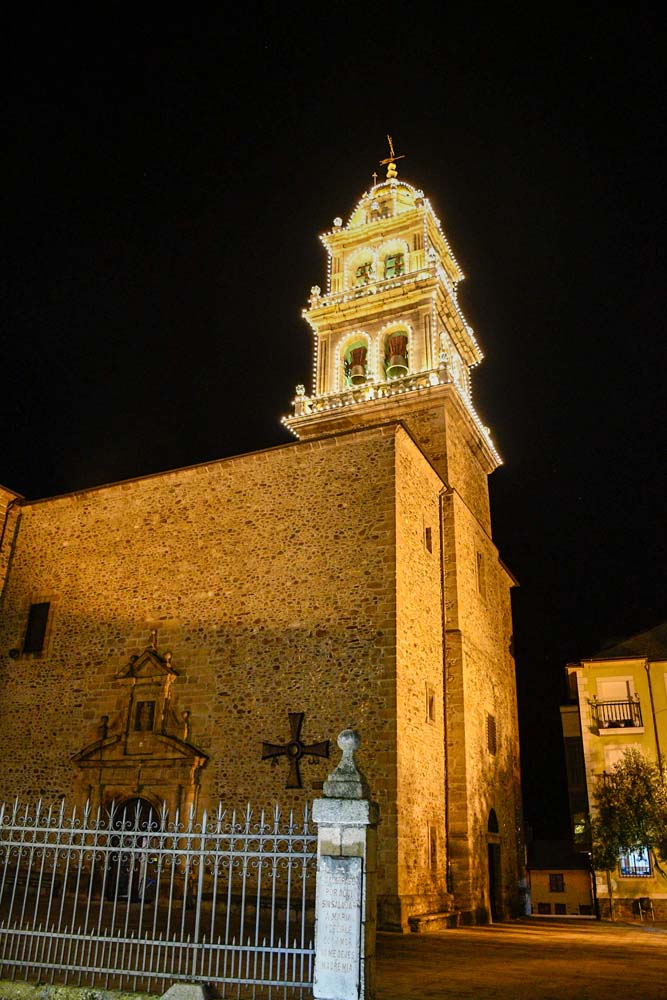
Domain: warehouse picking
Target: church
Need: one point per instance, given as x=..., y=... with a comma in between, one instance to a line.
x=204, y=634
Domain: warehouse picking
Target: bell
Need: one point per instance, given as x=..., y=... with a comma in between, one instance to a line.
x=397, y=366
x=358, y=366
x=398, y=356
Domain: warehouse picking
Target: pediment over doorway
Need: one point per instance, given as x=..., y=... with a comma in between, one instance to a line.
x=144, y=747
x=148, y=666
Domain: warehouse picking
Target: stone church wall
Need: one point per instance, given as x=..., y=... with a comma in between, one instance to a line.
x=481, y=686
x=293, y=580
x=9, y=517
x=271, y=579
x=419, y=704
x=443, y=433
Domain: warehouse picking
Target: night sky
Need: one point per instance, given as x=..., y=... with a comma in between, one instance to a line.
x=164, y=185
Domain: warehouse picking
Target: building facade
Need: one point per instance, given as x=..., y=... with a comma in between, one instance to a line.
x=559, y=880
x=619, y=702
x=205, y=633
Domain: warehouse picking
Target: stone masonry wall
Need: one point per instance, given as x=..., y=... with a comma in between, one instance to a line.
x=9, y=517
x=419, y=669
x=481, y=684
x=270, y=578
x=273, y=579
x=443, y=432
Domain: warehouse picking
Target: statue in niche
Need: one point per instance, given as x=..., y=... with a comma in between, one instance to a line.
x=144, y=717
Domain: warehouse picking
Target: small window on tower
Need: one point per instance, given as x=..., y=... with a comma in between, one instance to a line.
x=430, y=704
x=419, y=241
x=35, y=632
x=432, y=847
x=480, y=573
x=428, y=539
x=491, y=734
x=393, y=265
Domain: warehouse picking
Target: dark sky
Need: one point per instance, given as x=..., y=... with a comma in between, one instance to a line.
x=165, y=183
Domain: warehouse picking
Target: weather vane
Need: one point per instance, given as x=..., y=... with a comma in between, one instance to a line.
x=391, y=160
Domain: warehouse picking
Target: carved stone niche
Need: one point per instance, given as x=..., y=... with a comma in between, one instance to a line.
x=145, y=750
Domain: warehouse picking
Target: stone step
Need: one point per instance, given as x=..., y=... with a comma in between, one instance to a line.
x=426, y=923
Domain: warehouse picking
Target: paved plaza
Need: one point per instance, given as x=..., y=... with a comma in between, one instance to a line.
x=526, y=960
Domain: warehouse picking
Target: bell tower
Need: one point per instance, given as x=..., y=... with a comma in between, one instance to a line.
x=392, y=345
x=390, y=338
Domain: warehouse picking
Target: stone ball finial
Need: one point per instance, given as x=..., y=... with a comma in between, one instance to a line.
x=346, y=781
x=349, y=741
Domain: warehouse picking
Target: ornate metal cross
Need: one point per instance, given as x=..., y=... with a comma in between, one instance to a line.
x=295, y=750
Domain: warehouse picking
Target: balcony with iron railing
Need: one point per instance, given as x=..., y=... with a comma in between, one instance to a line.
x=611, y=715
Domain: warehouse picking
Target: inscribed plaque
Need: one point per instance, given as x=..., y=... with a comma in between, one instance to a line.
x=338, y=929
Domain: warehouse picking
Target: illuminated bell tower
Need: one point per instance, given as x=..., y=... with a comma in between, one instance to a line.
x=392, y=346
x=390, y=339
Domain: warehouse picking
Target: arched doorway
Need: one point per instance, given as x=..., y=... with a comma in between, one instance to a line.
x=495, y=871
x=127, y=875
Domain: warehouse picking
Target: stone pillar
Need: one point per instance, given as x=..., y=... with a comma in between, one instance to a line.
x=345, y=900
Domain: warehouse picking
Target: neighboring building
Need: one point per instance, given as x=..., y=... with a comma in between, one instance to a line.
x=621, y=701
x=559, y=880
x=580, y=826
x=207, y=632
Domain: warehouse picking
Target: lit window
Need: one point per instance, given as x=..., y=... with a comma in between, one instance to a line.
x=579, y=826
x=393, y=265
x=635, y=864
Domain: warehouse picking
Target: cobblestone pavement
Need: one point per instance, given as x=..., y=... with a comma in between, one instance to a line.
x=526, y=960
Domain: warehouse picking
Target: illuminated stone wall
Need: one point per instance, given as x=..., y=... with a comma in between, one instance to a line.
x=273, y=581
x=9, y=515
x=293, y=580
x=480, y=681
x=419, y=696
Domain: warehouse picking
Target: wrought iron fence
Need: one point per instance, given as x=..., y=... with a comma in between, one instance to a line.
x=125, y=898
